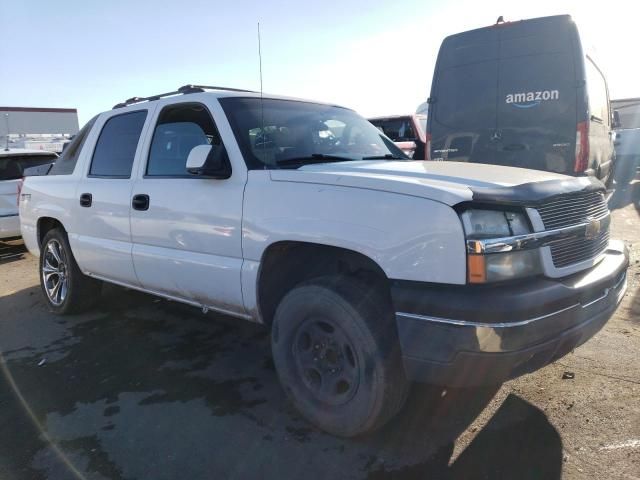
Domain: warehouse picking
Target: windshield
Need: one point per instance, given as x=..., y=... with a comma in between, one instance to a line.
x=286, y=133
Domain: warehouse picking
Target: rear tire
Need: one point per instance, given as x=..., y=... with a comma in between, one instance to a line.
x=336, y=351
x=66, y=289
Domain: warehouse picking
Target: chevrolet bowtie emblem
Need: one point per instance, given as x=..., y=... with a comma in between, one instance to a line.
x=593, y=228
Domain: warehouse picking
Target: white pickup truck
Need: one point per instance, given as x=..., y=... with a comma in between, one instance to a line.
x=372, y=270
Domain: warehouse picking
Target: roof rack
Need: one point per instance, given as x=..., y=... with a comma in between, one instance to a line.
x=184, y=90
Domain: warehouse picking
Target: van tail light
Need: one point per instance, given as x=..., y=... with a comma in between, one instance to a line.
x=20, y=184
x=582, y=147
x=427, y=147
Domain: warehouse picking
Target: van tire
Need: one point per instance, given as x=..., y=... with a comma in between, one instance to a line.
x=336, y=351
x=76, y=292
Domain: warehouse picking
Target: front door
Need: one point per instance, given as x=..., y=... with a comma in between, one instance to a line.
x=186, y=230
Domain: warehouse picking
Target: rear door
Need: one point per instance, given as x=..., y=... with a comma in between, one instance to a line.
x=537, y=96
x=101, y=237
x=462, y=111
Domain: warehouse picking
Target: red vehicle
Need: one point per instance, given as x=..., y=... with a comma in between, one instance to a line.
x=407, y=131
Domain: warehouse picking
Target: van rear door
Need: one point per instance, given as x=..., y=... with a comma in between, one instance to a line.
x=537, y=96
x=462, y=106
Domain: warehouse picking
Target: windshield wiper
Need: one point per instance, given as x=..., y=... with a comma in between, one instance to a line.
x=388, y=156
x=313, y=158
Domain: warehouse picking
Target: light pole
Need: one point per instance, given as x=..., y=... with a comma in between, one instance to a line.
x=6, y=119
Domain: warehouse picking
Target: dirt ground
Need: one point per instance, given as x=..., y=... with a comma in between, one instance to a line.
x=145, y=388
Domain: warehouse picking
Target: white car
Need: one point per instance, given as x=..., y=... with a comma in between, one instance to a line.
x=13, y=162
x=371, y=269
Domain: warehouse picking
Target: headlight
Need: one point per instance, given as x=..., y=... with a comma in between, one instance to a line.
x=494, y=267
x=494, y=223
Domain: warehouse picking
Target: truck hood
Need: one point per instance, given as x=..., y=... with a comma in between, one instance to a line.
x=446, y=182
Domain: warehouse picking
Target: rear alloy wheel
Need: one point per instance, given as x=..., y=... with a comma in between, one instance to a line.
x=65, y=287
x=335, y=349
x=54, y=273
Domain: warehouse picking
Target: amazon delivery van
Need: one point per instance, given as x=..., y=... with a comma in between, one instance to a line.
x=522, y=94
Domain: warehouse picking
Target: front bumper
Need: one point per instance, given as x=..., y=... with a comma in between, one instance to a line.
x=479, y=335
x=9, y=226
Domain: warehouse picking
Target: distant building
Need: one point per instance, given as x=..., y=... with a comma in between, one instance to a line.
x=628, y=110
x=39, y=128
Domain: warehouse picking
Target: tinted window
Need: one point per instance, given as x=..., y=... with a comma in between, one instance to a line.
x=397, y=129
x=466, y=96
x=597, y=91
x=12, y=168
x=180, y=128
x=116, y=146
x=69, y=157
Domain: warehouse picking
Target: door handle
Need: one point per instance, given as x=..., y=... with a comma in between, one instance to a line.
x=140, y=202
x=85, y=200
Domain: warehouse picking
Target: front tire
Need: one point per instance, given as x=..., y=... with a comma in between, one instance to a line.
x=66, y=289
x=336, y=352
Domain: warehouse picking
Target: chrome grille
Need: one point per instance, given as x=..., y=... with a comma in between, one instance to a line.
x=578, y=250
x=573, y=209
x=567, y=210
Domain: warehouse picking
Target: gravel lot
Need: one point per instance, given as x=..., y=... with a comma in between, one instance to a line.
x=145, y=388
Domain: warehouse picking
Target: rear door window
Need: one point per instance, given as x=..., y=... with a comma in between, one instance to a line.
x=117, y=144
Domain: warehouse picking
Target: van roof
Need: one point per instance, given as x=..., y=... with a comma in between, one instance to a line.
x=509, y=39
x=522, y=26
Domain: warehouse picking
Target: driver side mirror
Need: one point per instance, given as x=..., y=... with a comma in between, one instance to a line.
x=209, y=161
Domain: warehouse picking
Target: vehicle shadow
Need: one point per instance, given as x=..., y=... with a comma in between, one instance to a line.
x=145, y=388
x=11, y=250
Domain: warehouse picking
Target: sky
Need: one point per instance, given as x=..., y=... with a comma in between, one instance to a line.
x=376, y=56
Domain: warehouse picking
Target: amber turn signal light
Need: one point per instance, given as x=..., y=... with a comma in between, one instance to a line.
x=476, y=269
